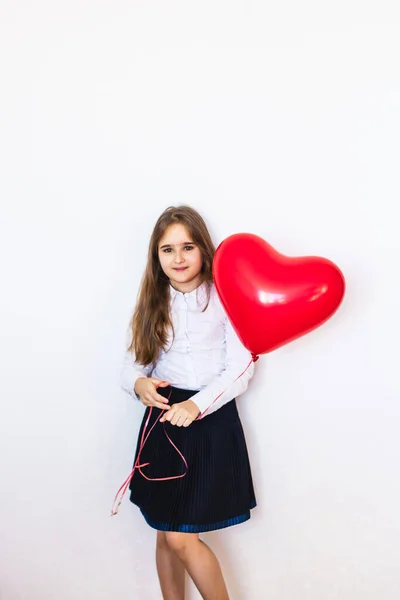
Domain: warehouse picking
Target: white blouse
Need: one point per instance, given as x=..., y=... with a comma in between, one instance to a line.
x=206, y=354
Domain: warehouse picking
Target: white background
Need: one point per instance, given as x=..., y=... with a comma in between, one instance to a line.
x=276, y=118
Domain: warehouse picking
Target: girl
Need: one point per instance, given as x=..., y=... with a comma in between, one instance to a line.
x=183, y=355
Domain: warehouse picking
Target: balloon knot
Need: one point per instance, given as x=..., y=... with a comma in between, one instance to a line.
x=254, y=357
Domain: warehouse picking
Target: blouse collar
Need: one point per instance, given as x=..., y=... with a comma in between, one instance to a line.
x=194, y=292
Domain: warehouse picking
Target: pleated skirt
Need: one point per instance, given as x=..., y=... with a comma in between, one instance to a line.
x=217, y=490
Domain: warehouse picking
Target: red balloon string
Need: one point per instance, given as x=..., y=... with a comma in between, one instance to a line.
x=122, y=490
x=253, y=359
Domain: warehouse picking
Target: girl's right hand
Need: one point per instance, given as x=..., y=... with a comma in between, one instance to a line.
x=146, y=389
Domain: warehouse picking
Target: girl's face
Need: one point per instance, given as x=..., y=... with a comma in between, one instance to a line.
x=180, y=258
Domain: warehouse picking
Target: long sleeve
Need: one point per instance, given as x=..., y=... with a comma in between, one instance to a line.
x=236, y=360
x=130, y=372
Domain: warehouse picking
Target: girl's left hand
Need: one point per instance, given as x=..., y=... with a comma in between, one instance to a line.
x=182, y=414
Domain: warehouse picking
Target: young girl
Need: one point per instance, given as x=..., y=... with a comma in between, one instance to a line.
x=184, y=354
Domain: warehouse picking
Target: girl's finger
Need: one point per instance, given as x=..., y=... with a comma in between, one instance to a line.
x=166, y=416
x=153, y=402
x=180, y=420
x=159, y=398
x=161, y=406
x=162, y=384
x=184, y=419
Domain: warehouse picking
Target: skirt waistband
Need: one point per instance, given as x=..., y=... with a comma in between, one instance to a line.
x=227, y=411
x=178, y=394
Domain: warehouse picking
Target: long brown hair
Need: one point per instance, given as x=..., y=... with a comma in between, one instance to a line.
x=151, y=319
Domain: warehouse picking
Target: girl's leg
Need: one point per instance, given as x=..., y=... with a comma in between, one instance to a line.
x=171, y=571
x=201, y=564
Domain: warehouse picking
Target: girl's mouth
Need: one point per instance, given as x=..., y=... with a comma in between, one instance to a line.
x=180, y=269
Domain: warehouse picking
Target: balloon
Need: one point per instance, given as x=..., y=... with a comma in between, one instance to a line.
x=272, y=299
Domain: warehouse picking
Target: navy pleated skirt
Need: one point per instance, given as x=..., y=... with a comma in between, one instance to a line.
x=217, y=490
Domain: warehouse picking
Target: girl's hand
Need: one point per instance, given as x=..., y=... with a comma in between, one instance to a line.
x=146, y=389
x=182, y=414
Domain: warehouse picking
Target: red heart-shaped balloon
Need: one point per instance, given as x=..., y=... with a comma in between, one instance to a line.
x=272, y=299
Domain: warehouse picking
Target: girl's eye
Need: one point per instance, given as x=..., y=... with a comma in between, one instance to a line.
x=186, y=248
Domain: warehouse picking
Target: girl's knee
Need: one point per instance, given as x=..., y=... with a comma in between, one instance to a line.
x=180, y=542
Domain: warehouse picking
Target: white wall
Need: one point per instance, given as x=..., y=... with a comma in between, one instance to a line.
x=280, y=119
